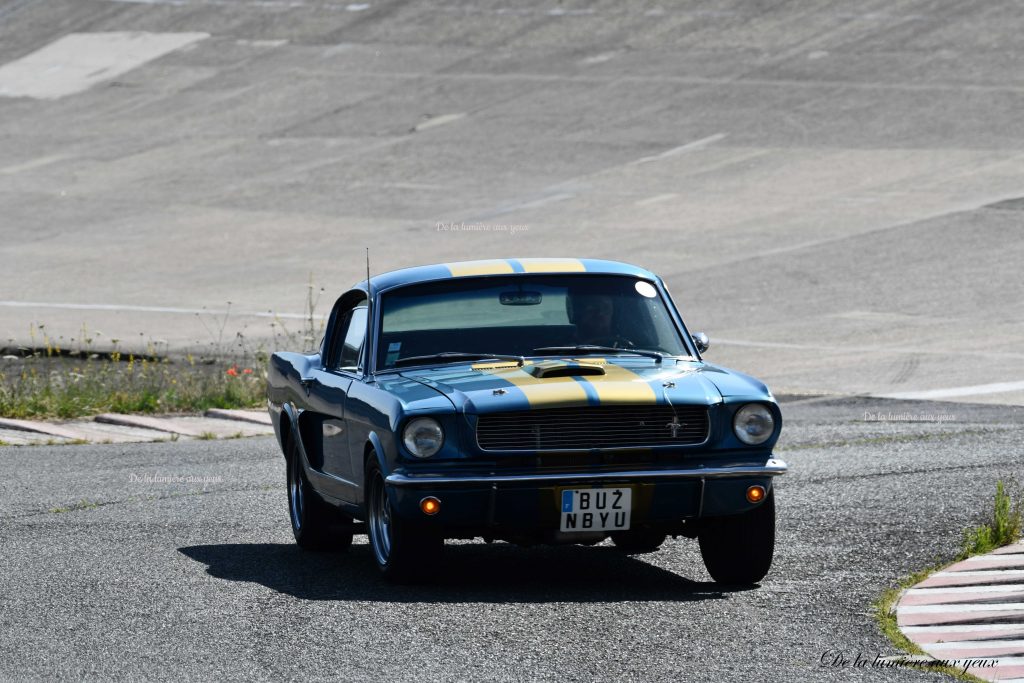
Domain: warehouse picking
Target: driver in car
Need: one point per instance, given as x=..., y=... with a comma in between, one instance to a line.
x=594, y=315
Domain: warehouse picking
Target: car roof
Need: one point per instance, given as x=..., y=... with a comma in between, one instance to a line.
x=510, y=266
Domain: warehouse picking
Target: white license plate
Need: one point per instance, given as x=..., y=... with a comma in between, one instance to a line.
x=596, y=509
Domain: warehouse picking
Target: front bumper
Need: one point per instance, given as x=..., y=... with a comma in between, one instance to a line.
x=530, y=500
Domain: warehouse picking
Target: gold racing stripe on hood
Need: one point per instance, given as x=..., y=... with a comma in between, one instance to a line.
x=619, y=385
x=547, y=392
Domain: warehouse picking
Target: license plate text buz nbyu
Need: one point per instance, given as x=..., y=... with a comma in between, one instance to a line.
x=596, y=509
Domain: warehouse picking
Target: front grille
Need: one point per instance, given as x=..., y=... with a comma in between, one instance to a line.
x=594, y=427
x=573, y=460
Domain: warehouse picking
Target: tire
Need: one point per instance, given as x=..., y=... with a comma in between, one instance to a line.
x=316, y=525
x=405, y=552
x=638, y=541
x=738, y=549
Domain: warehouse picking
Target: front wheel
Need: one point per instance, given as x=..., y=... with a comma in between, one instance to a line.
x=404, y=551
x=738, y=549
x=315, y=524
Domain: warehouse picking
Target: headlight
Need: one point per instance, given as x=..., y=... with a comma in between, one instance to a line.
x=423, y=437
x=753, y=424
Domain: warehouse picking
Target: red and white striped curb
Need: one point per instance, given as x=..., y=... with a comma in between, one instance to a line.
x=112, y=428
x=970, y=611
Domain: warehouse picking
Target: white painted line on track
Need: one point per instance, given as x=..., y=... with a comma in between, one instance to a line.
x=598, y=59
x=561, y=197
x=152, y=309
x=681, y=149
x=561, y=191
x=261, y=43
x=953, y=392
x=781, y=345
x=78, y=61
x=559, y=12
x=34, y=164
x=531, y=204
x=657, y=199
x=438, y=121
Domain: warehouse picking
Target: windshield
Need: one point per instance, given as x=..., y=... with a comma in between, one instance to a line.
x=522, y=315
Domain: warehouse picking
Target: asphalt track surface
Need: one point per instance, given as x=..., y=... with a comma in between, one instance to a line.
x=107, y=574
x=830, y=190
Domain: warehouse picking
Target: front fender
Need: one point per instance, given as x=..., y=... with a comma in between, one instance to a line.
x=278, y=415
x=374, y=442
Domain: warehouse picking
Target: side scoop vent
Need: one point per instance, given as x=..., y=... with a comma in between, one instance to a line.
x=545, y=370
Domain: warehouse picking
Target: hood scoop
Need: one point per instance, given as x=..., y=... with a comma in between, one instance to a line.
x=548, y=369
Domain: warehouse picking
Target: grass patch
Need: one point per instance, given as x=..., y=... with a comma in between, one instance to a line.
x=1002, y=529
x=40, y=386
x=58, y=377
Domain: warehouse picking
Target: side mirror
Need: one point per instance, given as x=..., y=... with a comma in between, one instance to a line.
x=701, y=341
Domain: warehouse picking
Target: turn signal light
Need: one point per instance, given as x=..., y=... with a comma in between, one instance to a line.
x=755, y=494
x=430, y=505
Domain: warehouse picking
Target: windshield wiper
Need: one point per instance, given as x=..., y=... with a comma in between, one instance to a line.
x=591, y=349
x=455, y=356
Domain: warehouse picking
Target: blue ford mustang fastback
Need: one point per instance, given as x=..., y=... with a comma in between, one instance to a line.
x=526, y=400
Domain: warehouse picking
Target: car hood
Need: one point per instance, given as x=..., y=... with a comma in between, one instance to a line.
x=566, y=382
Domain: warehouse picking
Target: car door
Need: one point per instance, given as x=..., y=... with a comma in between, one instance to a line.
x=329, y=392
